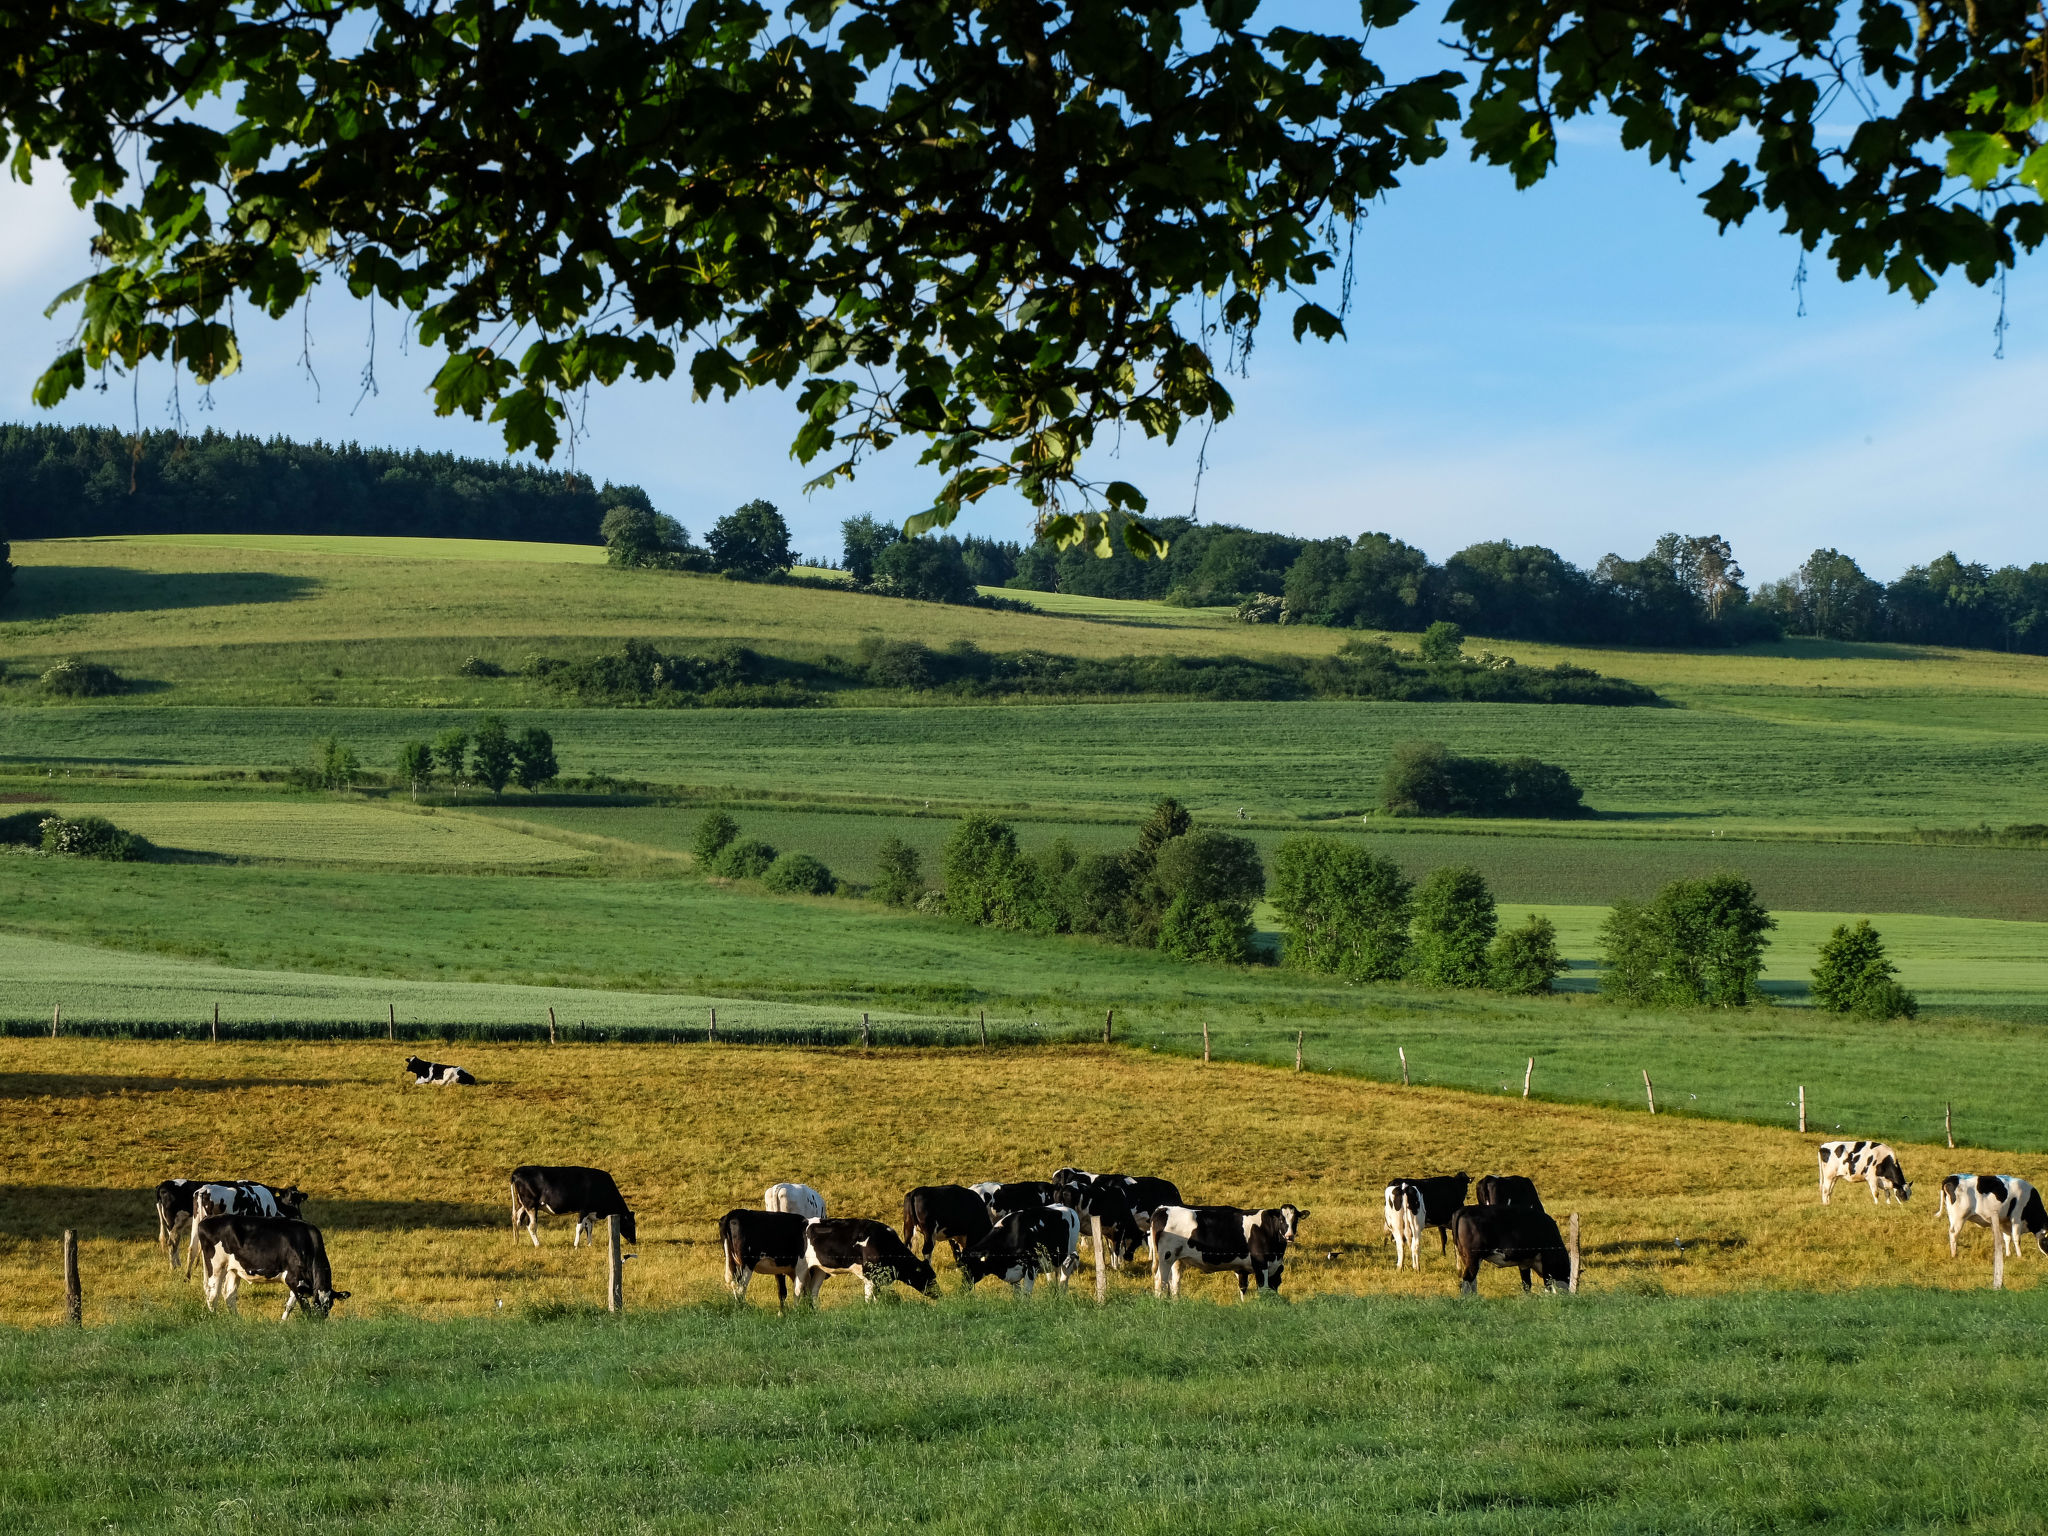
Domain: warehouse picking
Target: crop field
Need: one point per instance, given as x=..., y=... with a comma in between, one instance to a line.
x=1645, y=767
x=332, y=831
x=409, y=1184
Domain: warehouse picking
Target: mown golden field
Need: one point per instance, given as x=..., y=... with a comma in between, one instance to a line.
x=409, y=1184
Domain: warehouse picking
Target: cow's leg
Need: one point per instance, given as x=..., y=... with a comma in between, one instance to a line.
x=1525, y=1279
x=291, y=1299
x=1873, y=1188
x=736, y=1280
x=1159, y=1268
x=867, y=1284
x=1173, y=1281
x=230, y=1284
x=1825, y=1183
x=1024, y=1285
x=583, y=1225
x=781, y=1292
x=1955, y=1227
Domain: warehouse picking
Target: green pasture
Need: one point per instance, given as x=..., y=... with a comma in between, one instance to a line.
x=1769, y=1411
x=305, y=828
x=1644, y=767
x=666, y=947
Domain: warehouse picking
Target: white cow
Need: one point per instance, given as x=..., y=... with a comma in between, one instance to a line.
x=1404, y=1221
x=1976, y=1198
x=1871, y=1161
x=795, y=1199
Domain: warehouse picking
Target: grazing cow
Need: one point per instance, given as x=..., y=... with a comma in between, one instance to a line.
x=1249, y=1244
x=1413, y=1204
x=241, y=1197
x=950, y=1211
x=797, y=1199
x=854, y=1245
x=1512, y=1236
x=1024, y=1245
x=1871, y=1161
x=1508, y=1189
x=1977, y=1197
x=763, y=1242
x=589, y=1192
x=1108, y=1195
x=173, y=1210
x=1024, y=1195
x=437, y=1074
x=238, y=1248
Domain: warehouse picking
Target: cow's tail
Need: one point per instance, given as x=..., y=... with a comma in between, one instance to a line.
x=1410, y=1218
x=192, y=1245
x=909, y=1217
x=729, y=1235
x=525, y=1207
x=1152, y=1228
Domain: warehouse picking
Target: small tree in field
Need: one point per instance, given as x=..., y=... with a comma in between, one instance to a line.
x=416, y=765
x=1454, y=923
x=714, y=831
x=1441, y=643
x=451, y=751
x=1713, y=932
x=1632, y=951
x=1346, y=909
x=1525, y=960
x=899, y=873
x=751, y=542
x=1854, y=976
x=494, y=754
x=335, y=764
x=533, y=759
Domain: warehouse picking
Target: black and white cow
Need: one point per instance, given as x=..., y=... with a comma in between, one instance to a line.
x=949, y=1211
x=1513, y=1237
x=1976, y=1197
x=854, y=1245
x=761, y=1242
x=173, y=1210
x=1508, y=1189
x=241, y=1197
x=1109, y=1195
x=236, y=1248
x=1027, y=1244
x=589, y=1192
x=1871, y=1161
x=1024, y=1195
x=437, y=1074
x=1249, y=1244
x=797, y=1199
x=1413, y=1204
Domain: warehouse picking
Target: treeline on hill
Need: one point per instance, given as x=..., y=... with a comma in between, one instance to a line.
x=735, y=676
x=71, y=482
x=1686, y=590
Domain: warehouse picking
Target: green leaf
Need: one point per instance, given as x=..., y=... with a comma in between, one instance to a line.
x=1980, y=157
x=2034, y=172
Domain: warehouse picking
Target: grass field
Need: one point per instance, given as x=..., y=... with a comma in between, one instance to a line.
x=1722, y=1414
x=326, y=830
x=409, y=1184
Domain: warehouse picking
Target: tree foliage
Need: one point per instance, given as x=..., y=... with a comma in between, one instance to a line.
x=533, y=759
x=1525, y=960
x=750, y=542
x=1854, y=976
x=1346, y=908
x=1454, y=923
x=799, y=874
x=1697, y=943
x=1424, y=778
x=416, y=765
x=715, y=829
x=899, y=873
x=494, y=756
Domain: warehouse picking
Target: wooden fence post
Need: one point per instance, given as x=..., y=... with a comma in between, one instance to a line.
x=864, y=1032
x=1575, y=1253
x=984, y=1026
x=1297, y=1050
x=1802, y=1109
x=1649, y=1092
x=711, y=1035
x=615, y=1283
x=216, y=1023
x=1101, y=1268
x=1108, y=1019
x=1948, y=1124
x=56, y=1018
x=1404, y=1064
x=1528, y=1072
x=391, y=1021
x=1205, y=1039
x=551, y=1023
x=74, y=1298
x=1997, y=1249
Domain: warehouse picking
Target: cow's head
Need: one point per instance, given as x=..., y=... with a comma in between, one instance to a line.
x=1889, y=1172
x=416, y=1066
x=291, y=1199
x=1290, y=1222
x=628, y=1229
x=976, y=1264
x=318, y=1302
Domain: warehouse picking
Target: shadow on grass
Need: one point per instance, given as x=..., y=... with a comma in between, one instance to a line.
x=84, y=1085
x=42, y=1212
x=57, y=591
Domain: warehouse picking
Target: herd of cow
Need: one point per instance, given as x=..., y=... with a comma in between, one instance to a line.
x=243, y=1230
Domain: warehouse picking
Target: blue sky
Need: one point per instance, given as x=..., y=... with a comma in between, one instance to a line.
x=1585, y=365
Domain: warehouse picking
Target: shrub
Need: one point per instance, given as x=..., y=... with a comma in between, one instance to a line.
x=92, y=837
x=1442, y=643
x=24, y=829
x=746, y=858
x=1418, y=780
x=1525, y=960
x=494, y=755
x=1195, y=930
x=899, y=875
x=798, y=874
x=1346, y=908
x=335, y=766
x=979, y=868
x=1424, y=778
x=714, y=831
x=78, y=679
x=1209, y=880
x=1454, y=924
x=1854, y=976
x=476, y=666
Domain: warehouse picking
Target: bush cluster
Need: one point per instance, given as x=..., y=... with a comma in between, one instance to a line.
x=1696, y=943
x=1855, y=977
x=1353, y=914
x=726, y=677
x=92, y=837
x=1424, y=778
x=722, y=852
x=76, y=679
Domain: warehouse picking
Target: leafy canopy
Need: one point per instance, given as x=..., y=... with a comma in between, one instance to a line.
x=998, y=228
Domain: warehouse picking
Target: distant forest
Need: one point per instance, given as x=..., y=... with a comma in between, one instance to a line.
x=74, y=482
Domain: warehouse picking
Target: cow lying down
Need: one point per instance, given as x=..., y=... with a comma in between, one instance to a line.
x=1024, y=1245
x=1221, y=1238
x=1514, y=1238
x=232, y=1249
x=437, y=1074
